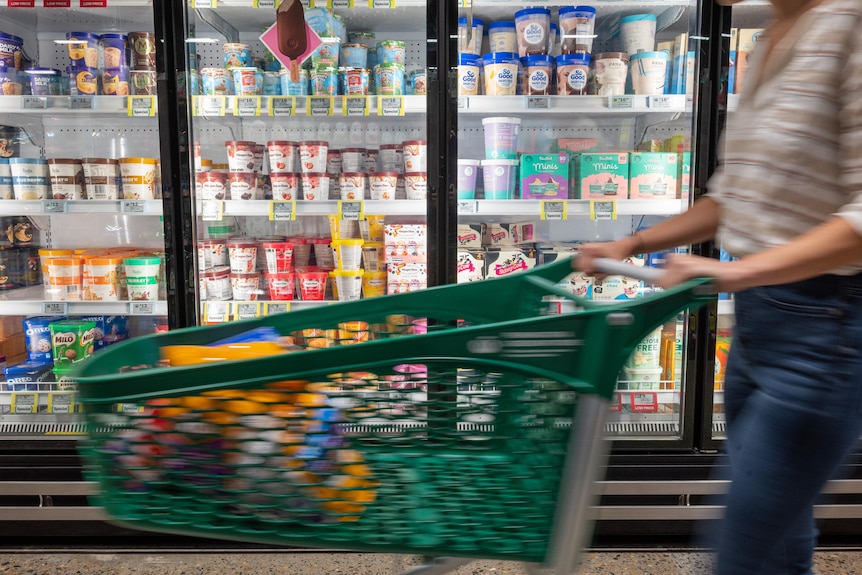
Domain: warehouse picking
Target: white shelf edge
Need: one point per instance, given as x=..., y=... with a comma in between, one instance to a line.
x=110, y=4
x=41, y=207
x=576, y=208
x=660, y=104
x=261, y=208
x=412, y=105
x=100, y=105
x=35, y=307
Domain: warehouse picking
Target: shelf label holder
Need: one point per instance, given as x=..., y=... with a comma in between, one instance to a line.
x=246, y=106
x=25, y=402
x=348, y=210
x=216, y=311
x=603, y=210
x=274, y=308
x=468, y=207
x=34, y=102
x=621, y=102
x=55, y=207
x=55, y=308
x=554, y=210
x=282, y=105
x=142, y=308
x=246, y=310
x=142, y=106
x=212, y=210
x=80, y=102
x=133, y=206
x=61, y=402
x=355, y=106
x=210, y=105
x=282, y=210
x=390, y=106
x=317, y=106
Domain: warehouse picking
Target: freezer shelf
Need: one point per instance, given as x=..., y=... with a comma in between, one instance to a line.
x=316, y=106
x=577, y=208
x=31, y=301
x=626, y=105
x=128, y=106
x=57, y=207
x=265, y=208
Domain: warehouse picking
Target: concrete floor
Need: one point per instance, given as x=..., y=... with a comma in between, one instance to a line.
x=153, y=562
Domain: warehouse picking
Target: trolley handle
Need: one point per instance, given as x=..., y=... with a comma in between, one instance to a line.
x=643, y=273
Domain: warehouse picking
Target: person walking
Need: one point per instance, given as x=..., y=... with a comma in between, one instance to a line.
x=787, y=202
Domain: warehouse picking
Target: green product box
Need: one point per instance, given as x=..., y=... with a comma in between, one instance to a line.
x=653, y=175
x=684, y=175
x=604, y=176
x=545, y=176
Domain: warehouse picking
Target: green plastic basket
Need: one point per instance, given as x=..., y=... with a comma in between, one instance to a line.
x=450, y=442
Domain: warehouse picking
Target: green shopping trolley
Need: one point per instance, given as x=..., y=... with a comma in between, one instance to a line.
x=461, y=421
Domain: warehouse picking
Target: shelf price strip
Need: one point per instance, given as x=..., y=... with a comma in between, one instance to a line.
x=204, y=3
x=133, y=207
x=282, y=106
x=142, y=106
x=381, y=3
x=34, y=103
x=246, y=106
x=55, y=207
x=355, y=106
x=80, y=102
x=554, y=210
x=603, y=209
x=274, y=308
x=217, y=311
x=25, y=402
x=246, y=310
x=55, y=308
x=212, y=210
x=335, y=4
x=282, y=211
x=264, y=3
x=142, y=308
x=390, y=105
x=351, y=210
x=319, y=106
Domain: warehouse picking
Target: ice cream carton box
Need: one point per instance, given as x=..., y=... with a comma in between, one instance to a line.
x=577, y=145
x=684, y=175
x=405, y=276
x=616, y=287
x=507, y=234
x=501, y=262
x=469, y=236
x=604, y=176
x=577, y=283
x=471, y=266
x=398, y=233
x=545, y=176
x=653, y=175
x=28, y=375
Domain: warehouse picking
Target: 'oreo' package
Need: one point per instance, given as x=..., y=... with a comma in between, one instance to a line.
x=39, y=337
x=27, y=376
x=109, y=329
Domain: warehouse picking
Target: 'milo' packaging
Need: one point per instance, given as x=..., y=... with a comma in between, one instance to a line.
x=545, y=176
x=653, y=175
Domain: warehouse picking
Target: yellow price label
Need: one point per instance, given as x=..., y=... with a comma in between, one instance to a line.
x=319, y=106
x=246, y=106
x=273, y=308
x=210, y=105
x=351, y=210
x=282, y=211
x=603, y=209
x=141, y=106
x=61, y=402
x=381, y=3
x=282, y=105
x=25, y=402
x=216, y=312
x=204, y=3
x=246, y=310
x=554, y=210
x=212, y=210
x=335, y=4
x=390, y=105
x=355, y=106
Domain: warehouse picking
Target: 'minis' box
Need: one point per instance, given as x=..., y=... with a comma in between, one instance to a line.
x=653, y=175
x=604, y=176
x=545, y=176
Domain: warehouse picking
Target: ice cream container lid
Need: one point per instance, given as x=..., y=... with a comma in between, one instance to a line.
x=103, y=261
x=499, y=162
x=468, y=162
x=240, y=143
x=64, y=161
x=383, y=174
x=242, y=243
x=314, y=143
x=531, y=12
x=415, y=142
x=151, y=161
x=476, y=22
x=612, y=56
x=218, y=272
x=315, y=175
x=99, y=161
x=537, y=60
x=573, y=59
x=568, y=9
x=499, y=58
x=113, y=37
x=642, y=55
x=501, y=120
x=28, y=161
x=469, y=59
x=501, y=26
x=637, y=18
x=81, y=36
x=353, y=150
x=143, y=261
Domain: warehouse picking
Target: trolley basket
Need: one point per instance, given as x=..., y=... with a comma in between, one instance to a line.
x=461, y=420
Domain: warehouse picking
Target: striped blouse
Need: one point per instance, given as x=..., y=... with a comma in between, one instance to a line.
x=792, y=153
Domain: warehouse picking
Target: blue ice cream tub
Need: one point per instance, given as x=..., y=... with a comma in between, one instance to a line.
x=271, y=84
x=45, y=81
x=324, y=81
x=10, y=82
x=354, y=56
x=115, y=50
x=83, y=81
x=11, y=55
x=290, y=88
x=391, y=52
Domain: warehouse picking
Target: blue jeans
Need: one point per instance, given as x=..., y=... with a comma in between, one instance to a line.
x=793, y=399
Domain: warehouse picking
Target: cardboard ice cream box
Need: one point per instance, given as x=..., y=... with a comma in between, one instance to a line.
x=615, y=287
x=469, y=236
x=471, y=266
x=507, y=234
x=405, y=276
x=604, y=176
x=653, y=175
x=545, y=176
x=501, y=262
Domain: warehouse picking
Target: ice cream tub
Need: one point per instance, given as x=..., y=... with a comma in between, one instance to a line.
x=280, y=286
x=247, y=81
x=142, y=277
x=313, y=156
x=102, y=278
x=538, y=74
x=315, y=186
x=285, y=186
x=354, y=81
x=327, y=54
x=240, y=155
x=216, y=82
x=611, y=70
x=67, y=178
x=577, y=26
x=349, y=284
x=139, y=178
x=333, y=162
x=242, y=254
x=532, y=25
x=637, y=33
x=572, y=74
x=392, y=157
x=501, y=137
x=291, y=88
x=236, y=55
x=282, y=155
x=389, y=79
x=243, y=185
x=271, y=84
x=392, y=52
x=419, y=82
x=45, y=81
x=502, y=37
x=143, y=83
x=382, y=185
x=354, y=56
x=10, y=82
x=469, y=74
x=72, y=340
x=470, y=35
x=38, y=337
x=115, y=81
x=212, y=254
x=311, y=283
x=83, y=49
x=6, y=190
x=83, y=81
x=258, y=153
x=416, y=185
x=278, y=256
x=467, y=170
x=352, y=185
x=102, y=178
x=348, y=252
x=415, y=155
x=324, y=253
x=648, y=72
x=353, y=159
x=373, y=283
x=499, y=178
x=218, y=285
x=11, y=55
x=211, y=185
x=245, y=287
x=324, y=80
x=142, y=48
x=501, y=73
x=29, y=178
x=115, y=50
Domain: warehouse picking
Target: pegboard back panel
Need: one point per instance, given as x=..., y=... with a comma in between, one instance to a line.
x=127, y=139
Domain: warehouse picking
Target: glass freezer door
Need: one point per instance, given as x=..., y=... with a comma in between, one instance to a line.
x=310, y=183
x=575, y=124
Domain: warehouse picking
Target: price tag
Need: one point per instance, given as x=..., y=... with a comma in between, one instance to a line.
x=282, y=105
x=468, y=207
x=246, y=310
x=265, y=4
x=660, y=102
x=644, y=402
x=94, y=3
x=129, y=408
x=61, y=403
x=538, y=102
x=57, y=3
x=274, y=308
x=142, y=106
x=621, y=102
x=22, y=3
x=390, y=105
x=616, y=404
x=319, y=105
x=55, y=308
x=554, y=210
x=34, y=103
x=463, y=103
x=351, y=210
x=381, y=3
x=211, y=105
x=133, y=206
x=465, y=3
x=212, y=210
x=247, y=106
x=216, y=312
x=204, y=3
x=282, y=211
x=334, y=4
x=603, y=209
x=25, y=402
x=142, y=308
x=55, y=207
x=81, y=103
x=355, y=106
